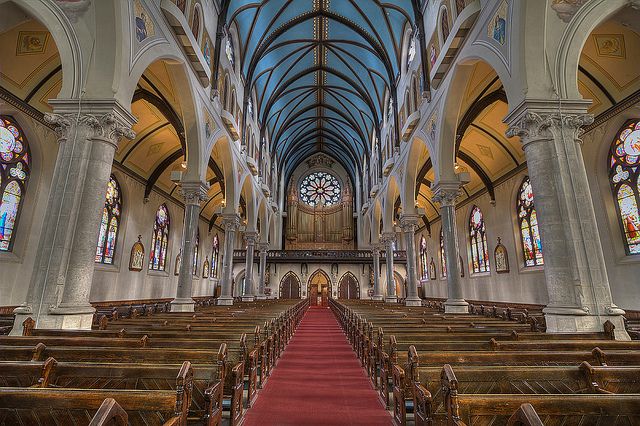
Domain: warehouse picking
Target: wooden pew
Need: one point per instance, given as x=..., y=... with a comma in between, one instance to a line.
x=76, y=406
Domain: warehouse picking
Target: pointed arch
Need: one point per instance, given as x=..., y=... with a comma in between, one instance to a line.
x=160, y=239
x=348, y=287
x=478, y=241
x=290, y=286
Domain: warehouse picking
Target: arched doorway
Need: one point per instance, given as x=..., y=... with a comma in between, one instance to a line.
x=348, y=287
x=319, y=288
x=401, y=286
x=290, y=286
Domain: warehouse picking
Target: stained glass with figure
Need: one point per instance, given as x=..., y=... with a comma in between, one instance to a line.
x=160, y=240
x=14, y=174
x=320, y=188
x=108, y=234
x=478, y=240
x=195, y=254
x=424, y=261
x=215, y=253
x=528, y=220
x=443, y=259
x=624, y=162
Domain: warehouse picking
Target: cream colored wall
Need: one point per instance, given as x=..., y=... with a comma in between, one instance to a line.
x=111, y=282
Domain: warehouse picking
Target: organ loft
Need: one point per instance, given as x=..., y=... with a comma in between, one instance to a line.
x=347, y=212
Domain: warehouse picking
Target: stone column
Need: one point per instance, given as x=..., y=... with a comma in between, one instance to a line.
x=194, y=193
x=388, y=238
x=575, y=273
x=409, y=225
x=446, y=193
x=249, y=289
x=60, y=286
x=231, y=223
x=264, y=249
x=377, y=288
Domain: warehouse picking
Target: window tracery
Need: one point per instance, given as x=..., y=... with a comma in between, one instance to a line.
x=320, y=188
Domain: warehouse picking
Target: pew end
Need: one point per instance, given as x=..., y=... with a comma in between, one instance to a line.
x=525, y=416
x=110, y=413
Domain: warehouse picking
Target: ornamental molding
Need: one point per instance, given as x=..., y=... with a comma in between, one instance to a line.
x=194, y=192
x=533, y=126
x=74, y=9
x=566, y=9
x=231, y=221
x=263, y=247
x=446, y=193
x=250, y=237
x=409, y=222
x=320, y=160
x=105, y=127
x=388, y=238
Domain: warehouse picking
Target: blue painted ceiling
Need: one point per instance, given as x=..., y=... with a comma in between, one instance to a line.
x=320, y=69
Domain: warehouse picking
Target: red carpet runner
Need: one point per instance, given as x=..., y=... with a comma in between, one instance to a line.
x=318, y=381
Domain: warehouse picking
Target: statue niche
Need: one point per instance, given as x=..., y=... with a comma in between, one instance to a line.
x=320, y=213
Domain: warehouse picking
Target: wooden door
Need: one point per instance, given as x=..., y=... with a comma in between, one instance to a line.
x=348, y=287
x=313, y=296
x=325, y=296
x=290, y=287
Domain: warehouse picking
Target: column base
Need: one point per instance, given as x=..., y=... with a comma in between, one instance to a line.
x=456, y=306
x=391, y=299
x=261, y=297
x=248, y=298
x=378, y=297
x=183, y=305
x=413, y=301
x=63, y=317
x=575, y=320
x=225, y=301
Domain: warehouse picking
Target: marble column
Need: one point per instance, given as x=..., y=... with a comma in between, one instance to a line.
x=446, y=193
x=264, y=249
x=388, y=238
x=194, y=193
x=409, y=224
x=377, y=287
x=60, y=286
x=231, y=223
x=249, y=287
x=575, y=273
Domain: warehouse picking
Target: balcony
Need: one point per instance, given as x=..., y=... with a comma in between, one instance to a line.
x=321, y=256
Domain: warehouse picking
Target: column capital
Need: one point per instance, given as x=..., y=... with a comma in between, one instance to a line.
x=251, y=237
x=409, y=222
x=540, y=120
x=231, y=221
x=376, y=249
x=263, y=247
x=388, y=238
x=194, y=192
x=106, y=119
x=446, y=193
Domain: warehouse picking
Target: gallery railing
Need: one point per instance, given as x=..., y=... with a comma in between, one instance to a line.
x=321, y=256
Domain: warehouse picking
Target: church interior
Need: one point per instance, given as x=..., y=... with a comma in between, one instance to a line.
x=319, y=212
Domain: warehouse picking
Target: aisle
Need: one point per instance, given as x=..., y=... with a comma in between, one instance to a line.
x=318, y=381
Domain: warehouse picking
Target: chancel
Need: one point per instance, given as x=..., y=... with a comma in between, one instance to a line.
x=319, y=212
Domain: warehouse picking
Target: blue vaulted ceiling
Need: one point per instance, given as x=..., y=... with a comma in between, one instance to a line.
x=320, y=70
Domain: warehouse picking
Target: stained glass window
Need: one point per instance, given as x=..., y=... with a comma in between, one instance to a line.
x=195, y=254
x=320, y=188
x=14, y=174
x=424, y=261
x=160, y=240
x=215, y=253
x=528, y=220
x=110, y=224
x=624, y=162
x=443, y=259
x=478, y=239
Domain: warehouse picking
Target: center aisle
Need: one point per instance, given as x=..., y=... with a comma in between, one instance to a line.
x=318, y=381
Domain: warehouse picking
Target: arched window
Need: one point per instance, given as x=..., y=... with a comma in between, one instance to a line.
x=444, y=24
x=424, y=261
x=478, y=239
x=624, y=160
x=160, y=239
x=195, y=25
x=443, y=259
x=195, y=254
x=215, y=254
x=528, y=221
x=14, y=174
x=110, y=224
